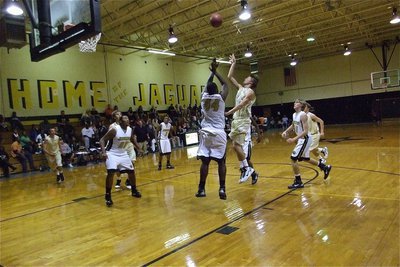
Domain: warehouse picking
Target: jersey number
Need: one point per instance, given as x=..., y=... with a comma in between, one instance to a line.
x=211, y=103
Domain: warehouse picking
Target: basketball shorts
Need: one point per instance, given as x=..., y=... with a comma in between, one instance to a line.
x=54, y=161
x=239, y=129
x=302, y=149
x=212, y=143
x=118, y=161
x=165, y=146
x=314, y=141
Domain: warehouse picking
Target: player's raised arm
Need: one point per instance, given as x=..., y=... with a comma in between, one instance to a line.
x=232, y=59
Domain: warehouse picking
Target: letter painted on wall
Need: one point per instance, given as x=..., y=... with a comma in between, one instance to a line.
x=74, y=93
x=99, y=92
x=141, y=99
x=47, y=94
x=194, y=95
x=180, y=92
x=155, y=97
x=119, y=93
x=169, y=96
x=19, y=97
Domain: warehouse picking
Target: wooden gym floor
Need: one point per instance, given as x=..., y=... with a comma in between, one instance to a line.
x=351, y=219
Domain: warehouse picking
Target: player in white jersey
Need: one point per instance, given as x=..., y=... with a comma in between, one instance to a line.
x=316, y=133
x=241, y=123
x=52, y=151
x=117, y=158
x=130, y=148
x=212, y=144
x=301, y=151
x=164, y=144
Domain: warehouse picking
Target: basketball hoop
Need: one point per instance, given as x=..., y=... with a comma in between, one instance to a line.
x=89, y=45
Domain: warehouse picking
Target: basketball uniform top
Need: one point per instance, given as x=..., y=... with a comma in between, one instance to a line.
x=213, y=109
x=53, y=144
x=245, y=112
x=312, y=125
x=298, y=125
x=121, y=140
x=164, y=131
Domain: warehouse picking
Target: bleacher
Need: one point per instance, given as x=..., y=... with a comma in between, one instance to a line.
x=39, y=160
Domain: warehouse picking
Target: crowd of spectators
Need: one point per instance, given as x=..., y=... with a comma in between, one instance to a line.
x=80, y=140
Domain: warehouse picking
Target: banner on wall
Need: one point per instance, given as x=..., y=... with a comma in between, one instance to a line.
x=48, y=97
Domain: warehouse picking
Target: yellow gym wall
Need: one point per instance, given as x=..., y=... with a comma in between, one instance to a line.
x=328, y=77
x=75, y=81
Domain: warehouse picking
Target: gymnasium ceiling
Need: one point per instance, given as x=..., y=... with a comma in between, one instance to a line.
x=276, y=29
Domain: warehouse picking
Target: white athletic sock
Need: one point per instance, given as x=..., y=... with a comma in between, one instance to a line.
x=245, y=164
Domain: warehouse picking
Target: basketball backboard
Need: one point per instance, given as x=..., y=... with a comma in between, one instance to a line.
x=385, y=79
x=62, y=24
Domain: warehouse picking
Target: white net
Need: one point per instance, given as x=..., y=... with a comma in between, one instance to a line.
x=89, y=45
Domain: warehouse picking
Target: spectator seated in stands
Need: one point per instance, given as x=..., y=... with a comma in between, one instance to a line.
x=62, y=121
x=16, y=122
x=23, y=156
x=45, y=126
x=87, y=135
x=4, y=164
x=66, y=154
x=26, y=142
x=15, y=135
x=86, y=118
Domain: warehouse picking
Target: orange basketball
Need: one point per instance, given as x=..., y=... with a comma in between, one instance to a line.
x=216, y=20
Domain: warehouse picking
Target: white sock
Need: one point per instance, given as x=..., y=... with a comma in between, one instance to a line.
x=245, y=164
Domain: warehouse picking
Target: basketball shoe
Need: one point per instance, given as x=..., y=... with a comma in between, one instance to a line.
x=327, y=170
x=254, y=178
x=248, y=171
x=201, y=193
x=136, y=193
x=296, y=184
x=109, y=202
x=222, y=194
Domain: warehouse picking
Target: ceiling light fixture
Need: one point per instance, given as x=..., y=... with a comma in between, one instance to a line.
x=172, y=37
x=161, y=52
x=347, y=51
x=245, y=14
x=293, y=62
x=14, y=8
x=395, y=18
x=248, y=52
